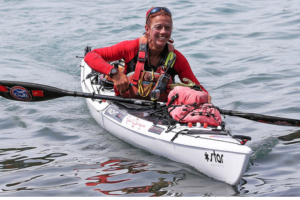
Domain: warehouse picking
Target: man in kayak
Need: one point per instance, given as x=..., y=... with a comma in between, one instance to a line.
x=157, y=40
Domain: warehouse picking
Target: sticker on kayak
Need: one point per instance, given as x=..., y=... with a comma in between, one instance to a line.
x=216, y=160
x=115, y=114
x=20, y=93
x=135, y=122
x=156, y=129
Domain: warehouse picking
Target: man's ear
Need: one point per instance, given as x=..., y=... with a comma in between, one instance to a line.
x=147, y=27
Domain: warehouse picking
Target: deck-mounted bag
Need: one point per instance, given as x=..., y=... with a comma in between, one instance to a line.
x=191, y=106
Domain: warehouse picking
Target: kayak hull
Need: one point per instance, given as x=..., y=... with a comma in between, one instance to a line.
x=214, y=153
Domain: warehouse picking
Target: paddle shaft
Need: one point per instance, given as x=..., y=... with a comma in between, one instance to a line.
x=262, y=118
x=28, y=92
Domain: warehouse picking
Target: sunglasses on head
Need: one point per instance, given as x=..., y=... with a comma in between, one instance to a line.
x=157, y=9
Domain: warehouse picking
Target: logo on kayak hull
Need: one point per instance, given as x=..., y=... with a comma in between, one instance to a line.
x=115, y=113
x=214, y=158
x=135, y=122
x=20, y=93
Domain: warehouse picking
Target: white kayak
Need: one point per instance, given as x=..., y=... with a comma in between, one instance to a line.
x=211, y=150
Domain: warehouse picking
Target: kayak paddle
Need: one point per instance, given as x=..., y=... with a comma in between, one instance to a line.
x=28, y=92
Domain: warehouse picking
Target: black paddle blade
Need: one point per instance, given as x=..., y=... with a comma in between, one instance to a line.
x=263, y=118
x=28, y=92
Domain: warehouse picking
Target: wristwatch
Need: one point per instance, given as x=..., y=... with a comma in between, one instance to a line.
x=113, y=71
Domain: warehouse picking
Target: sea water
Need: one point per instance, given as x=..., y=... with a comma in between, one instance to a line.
x=245, y=53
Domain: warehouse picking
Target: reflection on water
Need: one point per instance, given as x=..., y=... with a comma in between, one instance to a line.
x=275, y=171
x=121, y=177
x=18, y=161
x=15, y=179
x=290, y=137
x=153, y=188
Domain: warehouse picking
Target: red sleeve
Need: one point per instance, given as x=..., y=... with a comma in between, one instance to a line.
x=98, y=58
x=183, y=68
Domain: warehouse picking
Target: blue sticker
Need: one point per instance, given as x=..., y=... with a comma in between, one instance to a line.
x=20, y=93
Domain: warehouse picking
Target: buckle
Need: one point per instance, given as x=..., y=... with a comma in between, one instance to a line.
x=142, y=56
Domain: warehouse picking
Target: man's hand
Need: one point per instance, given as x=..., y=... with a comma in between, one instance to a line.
x=209, y=99
x=121, y=82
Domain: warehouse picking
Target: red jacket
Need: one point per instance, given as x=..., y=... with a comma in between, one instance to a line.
x=97, y=59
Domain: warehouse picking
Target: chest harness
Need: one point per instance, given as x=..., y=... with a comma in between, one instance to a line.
x=151, y=83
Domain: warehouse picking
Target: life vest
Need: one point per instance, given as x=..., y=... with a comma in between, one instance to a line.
x=143, y=82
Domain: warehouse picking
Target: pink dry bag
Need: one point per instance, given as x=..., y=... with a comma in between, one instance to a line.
x=191, y=106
